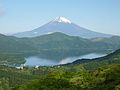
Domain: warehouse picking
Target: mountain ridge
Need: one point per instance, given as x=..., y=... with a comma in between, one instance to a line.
x=63, y=25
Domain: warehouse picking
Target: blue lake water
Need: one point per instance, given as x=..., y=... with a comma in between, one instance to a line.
x=37, y=61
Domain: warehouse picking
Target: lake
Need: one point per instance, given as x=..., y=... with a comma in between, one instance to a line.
x=38, y=61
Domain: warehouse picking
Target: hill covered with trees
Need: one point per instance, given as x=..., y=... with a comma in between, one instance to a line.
x=96, y=74
x=55, y=44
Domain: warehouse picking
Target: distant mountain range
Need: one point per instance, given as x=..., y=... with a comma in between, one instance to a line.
x=57, y=42
x=63, y=25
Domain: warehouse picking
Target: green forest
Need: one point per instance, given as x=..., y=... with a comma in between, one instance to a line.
x=51, y=46
x=94, y=74
x=83, y=74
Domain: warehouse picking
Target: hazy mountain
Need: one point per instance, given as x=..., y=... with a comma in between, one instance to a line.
x=111, y=43
x=61, y=24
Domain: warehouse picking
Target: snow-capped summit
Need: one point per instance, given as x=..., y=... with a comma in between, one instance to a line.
x=63, y=25
x=62, y=20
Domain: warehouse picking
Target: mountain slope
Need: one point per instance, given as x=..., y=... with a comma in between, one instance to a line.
x=104, y=78
x=57, y=44
x=111, y=43
x=77, y=77
x=91, y=64
x=59, y=40
x=12, y=44
x=66, y=77
x=62, y=25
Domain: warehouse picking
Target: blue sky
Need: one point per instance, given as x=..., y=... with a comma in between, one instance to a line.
x=24, y=15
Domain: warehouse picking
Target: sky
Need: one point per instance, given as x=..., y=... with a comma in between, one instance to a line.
x=25, y=15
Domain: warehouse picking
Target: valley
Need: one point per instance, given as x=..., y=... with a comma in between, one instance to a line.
x=63, y=61
x=86, y=74
x=56, y=46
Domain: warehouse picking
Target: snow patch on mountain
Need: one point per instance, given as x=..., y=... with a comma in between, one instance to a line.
x=62, y=20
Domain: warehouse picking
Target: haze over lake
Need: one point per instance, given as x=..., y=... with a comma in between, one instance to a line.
x=37, y=61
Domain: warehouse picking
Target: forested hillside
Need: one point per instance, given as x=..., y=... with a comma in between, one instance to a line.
x=55, y=44
x=104, y=78
x=96, y=74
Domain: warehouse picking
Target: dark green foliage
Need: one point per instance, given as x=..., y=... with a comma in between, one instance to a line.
x=91, y=64
x=97, y=74
x=11, y=59
x=110, y=76
x=104, y=78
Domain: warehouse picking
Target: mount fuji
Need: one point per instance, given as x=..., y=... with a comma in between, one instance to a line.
x=63, y=25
